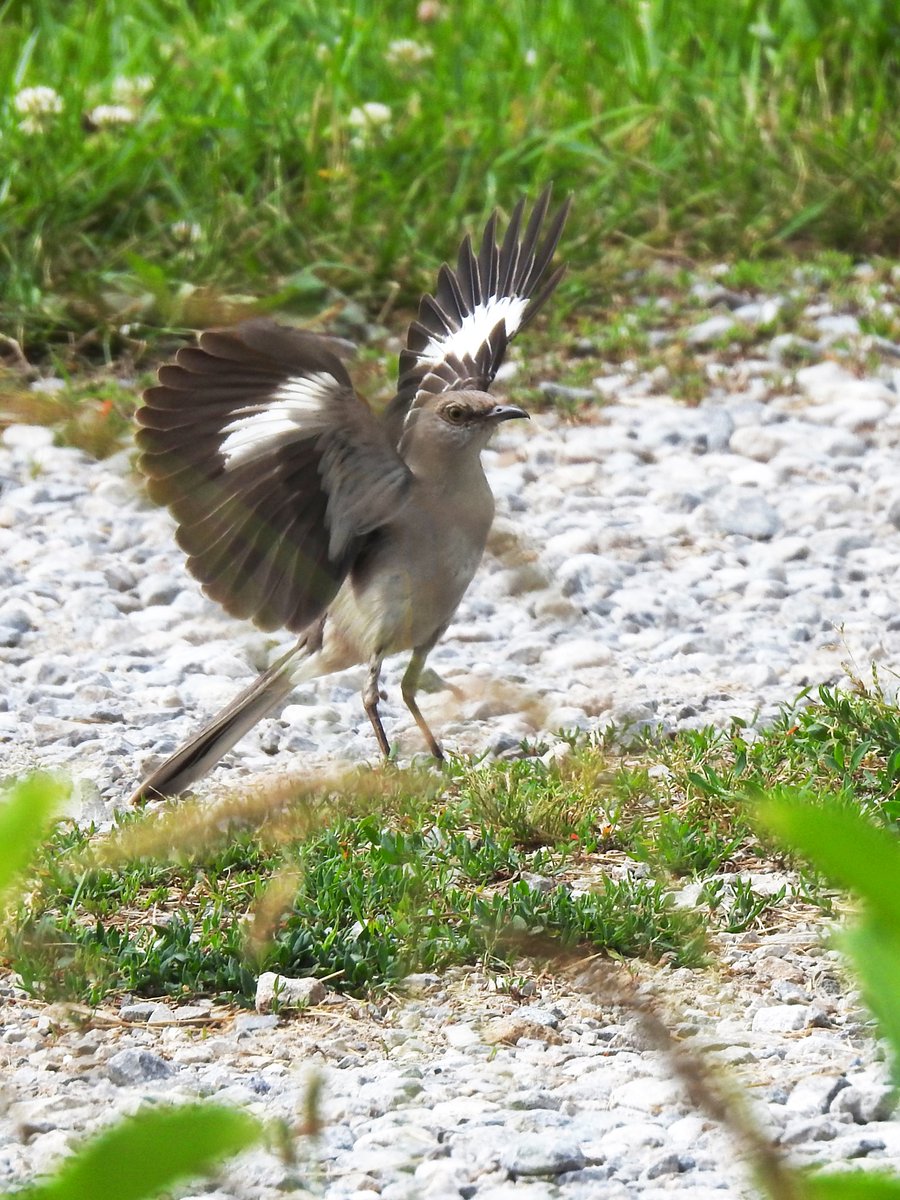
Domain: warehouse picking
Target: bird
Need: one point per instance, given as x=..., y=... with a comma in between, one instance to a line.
x=299, y=508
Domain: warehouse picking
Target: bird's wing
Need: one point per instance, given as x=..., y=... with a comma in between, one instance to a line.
x=271, y=465
x=460, y=335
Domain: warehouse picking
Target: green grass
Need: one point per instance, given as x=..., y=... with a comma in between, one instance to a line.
x=375, y=897
x=700, y=129
x=393, y=871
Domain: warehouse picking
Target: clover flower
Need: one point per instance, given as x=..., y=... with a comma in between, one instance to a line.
x=404, y=52
x=186, y=232
x=38, y=102
x=104, y=116
x=368, y=122
x=131, y=90
x=37, y=106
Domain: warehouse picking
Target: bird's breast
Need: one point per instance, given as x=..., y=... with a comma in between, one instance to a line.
x=405, y=589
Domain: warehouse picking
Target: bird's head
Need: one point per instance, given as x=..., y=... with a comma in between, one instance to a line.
x=457, y=422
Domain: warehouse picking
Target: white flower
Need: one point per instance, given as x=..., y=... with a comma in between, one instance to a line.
x=368, y=122
x=105, y=115
x=37, y=102
x=186, y=231
x=405, y=52
x=371, y=115
x=131, y=91
x=531, y=57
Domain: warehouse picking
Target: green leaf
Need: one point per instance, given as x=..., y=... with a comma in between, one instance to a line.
x=844, y=845
x=25, y=812
x=850, y=1185
x=875, y=949
x=149, y=1152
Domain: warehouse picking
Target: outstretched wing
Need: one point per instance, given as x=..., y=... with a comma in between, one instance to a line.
x=271, y=465
x=460, y=335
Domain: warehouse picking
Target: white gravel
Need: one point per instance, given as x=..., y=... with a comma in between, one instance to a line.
x=662, y=564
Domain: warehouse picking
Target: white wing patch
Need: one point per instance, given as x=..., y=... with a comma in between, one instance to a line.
x=259, y=429
x=477, y=326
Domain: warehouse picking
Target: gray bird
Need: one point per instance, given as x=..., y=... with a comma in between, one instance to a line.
x=300, y=509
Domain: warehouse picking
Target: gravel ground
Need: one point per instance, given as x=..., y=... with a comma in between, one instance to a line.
x=656, y=563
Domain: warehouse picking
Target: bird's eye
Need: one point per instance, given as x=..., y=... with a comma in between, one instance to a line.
x=455, y=414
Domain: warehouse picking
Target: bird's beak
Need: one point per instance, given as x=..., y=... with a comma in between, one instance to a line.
x=506, y=412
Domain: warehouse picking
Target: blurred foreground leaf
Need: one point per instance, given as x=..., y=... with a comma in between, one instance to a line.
x=25, y=811
x=846, y=1186
x=846, y=846
x=149, y=1152
x=865, y=858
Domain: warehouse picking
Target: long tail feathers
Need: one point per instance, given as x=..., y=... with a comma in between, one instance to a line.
x=199, y=755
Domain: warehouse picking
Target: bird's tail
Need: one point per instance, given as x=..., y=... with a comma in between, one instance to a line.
x=199, y=755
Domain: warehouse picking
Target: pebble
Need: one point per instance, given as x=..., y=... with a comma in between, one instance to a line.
x=136, y=1066
x=540, y=1154
x=711, y=330
x=782, y=1018
x=280, y=991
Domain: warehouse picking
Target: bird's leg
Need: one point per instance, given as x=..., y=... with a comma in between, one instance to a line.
x=408, y=686
x=370, y=698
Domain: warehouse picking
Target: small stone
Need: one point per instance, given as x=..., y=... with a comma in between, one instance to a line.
x=118, y=576
x=756, y=441
x=13, y=616
x=856, y=1147
x=159, y=590
x=750, y=516
x=186, y=1014
x=669, y=1164
x=814, y=1094
x=521, y=1024
x=539, y=883
x=649, y=1095
x=893, y=513
x=713, y=329
x=541, y=1154
x=782, y=1018
x=144, y=1010
x=577, y=654
x=772, y=967
x=137, y=1066
x=789, y=992
x=48, y=1148
x=608, y=385
x=866, y=1102
x=809, y=1129
x=788, y=347
x=833, y=328
x=27, y=437
x=758, y=312
x=246, y=1023
x=281, y=991
x=528, y=1101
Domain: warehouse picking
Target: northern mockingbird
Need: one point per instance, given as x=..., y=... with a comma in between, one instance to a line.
x=299, y=508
